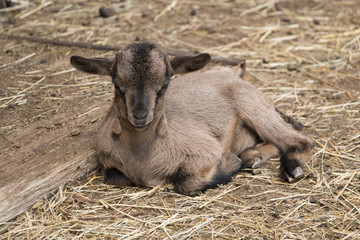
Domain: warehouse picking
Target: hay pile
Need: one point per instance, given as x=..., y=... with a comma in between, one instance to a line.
x=304, y=55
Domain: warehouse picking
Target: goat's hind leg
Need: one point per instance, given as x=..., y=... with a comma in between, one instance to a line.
x=295, y=150
x=191, y=180
x=294, y=122
x=294, y=147
x=254, y=157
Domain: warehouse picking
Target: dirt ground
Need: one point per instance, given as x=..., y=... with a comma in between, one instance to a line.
x=305, y=55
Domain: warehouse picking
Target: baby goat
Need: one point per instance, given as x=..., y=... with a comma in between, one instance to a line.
x=200, y=133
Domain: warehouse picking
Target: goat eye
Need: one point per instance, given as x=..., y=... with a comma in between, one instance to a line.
x=163, y=88
x=119, y=89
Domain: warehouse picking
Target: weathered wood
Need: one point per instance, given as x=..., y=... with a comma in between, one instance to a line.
x=44, y=155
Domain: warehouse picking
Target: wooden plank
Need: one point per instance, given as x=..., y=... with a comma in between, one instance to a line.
x=46, y=154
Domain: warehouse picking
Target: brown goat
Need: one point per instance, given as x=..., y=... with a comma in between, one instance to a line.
x=206, y=127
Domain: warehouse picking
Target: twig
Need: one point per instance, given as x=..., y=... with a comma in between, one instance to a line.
x=194, y=229
x=351, y=42
x=12, y=99
x=348, y=182
x=42, y=79
x=18, y=61
x=342, y=34
x=330, y=84
x=42, y=5
x=214, y=59
x=295, y=93
x=334, y=147
x=94, y=109
x=162, y=226
x=261, y=6
x=294, y=210
x=61, y=43
x=16, y=7
x=123, y=213
x=218, y=196
x=165, y=10
x=62, y=72
x=281, y=39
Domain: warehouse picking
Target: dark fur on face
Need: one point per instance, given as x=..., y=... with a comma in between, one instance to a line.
x=141, y=73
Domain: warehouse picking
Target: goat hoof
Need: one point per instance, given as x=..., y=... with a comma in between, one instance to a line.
x=293, y=175
x=193, y=194
x=252, y=165
x=256, y=165
x=190, y=194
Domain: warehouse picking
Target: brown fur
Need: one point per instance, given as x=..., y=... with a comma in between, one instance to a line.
x=190, y=136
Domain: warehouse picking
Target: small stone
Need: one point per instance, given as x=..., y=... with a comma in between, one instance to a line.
x=75, y=133
x=277, y=7
x=106, y=12
x=11, y=105
x=286, y=20
x=94, y=120
x=291, y=68
x=210, y=30
x=316, y=22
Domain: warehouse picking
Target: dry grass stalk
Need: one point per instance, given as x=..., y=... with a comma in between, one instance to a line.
x=42, y=5
x=17, y=61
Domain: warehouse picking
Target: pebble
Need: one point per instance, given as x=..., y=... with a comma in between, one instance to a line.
x=106, y=12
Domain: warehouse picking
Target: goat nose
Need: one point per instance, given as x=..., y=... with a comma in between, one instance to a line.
x=140, y=113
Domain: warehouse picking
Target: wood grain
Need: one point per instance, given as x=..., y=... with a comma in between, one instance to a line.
x=44, y=155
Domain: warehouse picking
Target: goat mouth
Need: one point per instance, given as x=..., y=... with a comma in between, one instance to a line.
x=141, y=127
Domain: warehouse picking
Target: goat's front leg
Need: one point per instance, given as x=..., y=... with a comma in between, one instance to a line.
x=254, y=157
x=112, y=176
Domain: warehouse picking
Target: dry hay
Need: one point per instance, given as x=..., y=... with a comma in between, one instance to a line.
x=304, y=55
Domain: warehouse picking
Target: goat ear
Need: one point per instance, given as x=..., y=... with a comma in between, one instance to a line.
x=101, y=66
x=189, y=64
